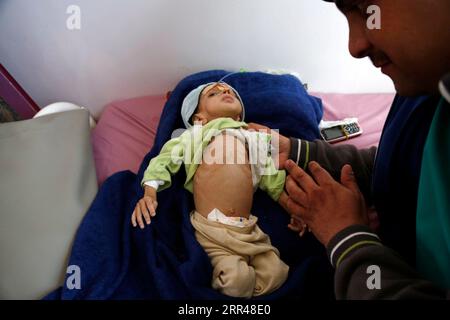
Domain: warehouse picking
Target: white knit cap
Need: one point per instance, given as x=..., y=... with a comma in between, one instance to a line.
x=190, y=103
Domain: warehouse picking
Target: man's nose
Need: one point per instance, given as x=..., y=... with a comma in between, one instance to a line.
x=358, y=42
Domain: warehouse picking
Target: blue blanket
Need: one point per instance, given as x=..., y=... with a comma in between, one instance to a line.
x=164, y=261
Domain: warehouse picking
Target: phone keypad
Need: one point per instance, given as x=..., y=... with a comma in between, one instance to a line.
x=351, y=128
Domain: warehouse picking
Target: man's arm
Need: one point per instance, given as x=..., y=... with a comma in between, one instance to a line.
x=334, y=157
x=365, y=269
x=331, y=157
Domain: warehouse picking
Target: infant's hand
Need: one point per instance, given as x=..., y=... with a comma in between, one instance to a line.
x=145, y=207
x=297, y=225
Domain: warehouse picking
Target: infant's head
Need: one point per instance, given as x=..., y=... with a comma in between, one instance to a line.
x=211, y=101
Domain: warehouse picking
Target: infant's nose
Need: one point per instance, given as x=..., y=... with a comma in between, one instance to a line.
x=226, y=91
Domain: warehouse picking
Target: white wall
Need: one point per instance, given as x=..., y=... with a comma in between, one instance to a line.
x=127, y=48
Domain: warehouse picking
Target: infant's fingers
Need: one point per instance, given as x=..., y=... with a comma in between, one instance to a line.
x=144, y=211
x=301, y=233
x=133, y=218
x=293, y=227
x=150, y=206
x=139, y=217
x=297, y=220
x=298, y=225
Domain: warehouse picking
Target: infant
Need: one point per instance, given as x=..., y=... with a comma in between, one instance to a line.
x=225, y=164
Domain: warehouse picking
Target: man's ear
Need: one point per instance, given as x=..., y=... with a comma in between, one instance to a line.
x=199, y=118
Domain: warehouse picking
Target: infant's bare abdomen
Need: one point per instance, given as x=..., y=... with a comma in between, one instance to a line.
x=224, y=180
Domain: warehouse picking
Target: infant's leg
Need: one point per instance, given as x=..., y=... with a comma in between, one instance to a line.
x=233, y=276
x=270, y=271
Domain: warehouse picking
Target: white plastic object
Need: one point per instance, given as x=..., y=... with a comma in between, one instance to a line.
x=328, y=124
x=61, y=107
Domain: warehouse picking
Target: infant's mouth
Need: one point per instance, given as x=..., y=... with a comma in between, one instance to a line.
x=228, y=99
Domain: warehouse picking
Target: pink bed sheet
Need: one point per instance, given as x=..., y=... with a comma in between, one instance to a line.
x=126, y=129
x=124, y=134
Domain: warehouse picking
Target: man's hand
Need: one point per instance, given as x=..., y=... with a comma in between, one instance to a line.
x=283, y=143
x=145, y=208
x=325, y=205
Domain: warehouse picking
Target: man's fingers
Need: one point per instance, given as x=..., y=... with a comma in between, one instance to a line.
x=289, y=205
x=283, y=200
x=320, y=175
x=295, y=192
x=301, y=177
x=294, y=208
x=348, y=178
x=258, y=127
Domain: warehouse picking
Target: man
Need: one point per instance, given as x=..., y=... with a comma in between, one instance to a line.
x=407, y=178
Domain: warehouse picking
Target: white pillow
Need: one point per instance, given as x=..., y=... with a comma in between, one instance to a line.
x=61, y=107
x=47, y=183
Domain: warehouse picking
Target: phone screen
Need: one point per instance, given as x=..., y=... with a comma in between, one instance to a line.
x=332, y=133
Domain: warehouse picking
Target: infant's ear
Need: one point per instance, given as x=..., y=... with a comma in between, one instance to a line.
x=195, y=118
x=198, y=118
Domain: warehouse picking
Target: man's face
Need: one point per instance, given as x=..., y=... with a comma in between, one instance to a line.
x=413, y=45
x=219, y=101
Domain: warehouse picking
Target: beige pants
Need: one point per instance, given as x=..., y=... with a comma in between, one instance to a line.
x=245, y=263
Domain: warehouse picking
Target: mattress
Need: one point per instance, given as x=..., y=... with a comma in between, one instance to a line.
x=126, y=129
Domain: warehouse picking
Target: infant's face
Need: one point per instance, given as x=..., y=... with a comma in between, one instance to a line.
x=218, y=101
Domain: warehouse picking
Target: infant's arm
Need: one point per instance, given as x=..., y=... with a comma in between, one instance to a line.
x=167, y=163
x=145, y=208
x=159, y=173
